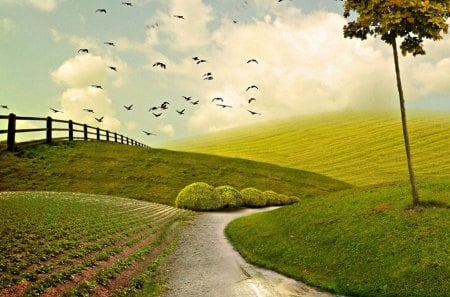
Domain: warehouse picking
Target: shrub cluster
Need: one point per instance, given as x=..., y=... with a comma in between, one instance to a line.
x=203, y=197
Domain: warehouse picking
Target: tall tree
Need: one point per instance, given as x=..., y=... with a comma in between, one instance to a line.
x=410, y=21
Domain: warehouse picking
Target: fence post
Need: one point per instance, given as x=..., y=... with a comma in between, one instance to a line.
x=128, y=141
x=11, y=141
x=115, y=137
x=107, y=135
x=49, y=129
x=85, y=132
x=98, y=133
x=70, y=130
x=121, y=138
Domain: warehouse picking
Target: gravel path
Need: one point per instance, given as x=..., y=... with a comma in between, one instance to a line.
x=205, y=265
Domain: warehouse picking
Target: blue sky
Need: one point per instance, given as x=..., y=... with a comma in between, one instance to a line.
x=305, y=65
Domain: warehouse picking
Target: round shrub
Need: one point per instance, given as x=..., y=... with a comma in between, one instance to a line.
x=228, y=197
x=292, y=199
x=272, y=198
x=197, y=196
x=252, y=197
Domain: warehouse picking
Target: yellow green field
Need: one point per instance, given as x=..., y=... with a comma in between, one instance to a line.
x=361, y=148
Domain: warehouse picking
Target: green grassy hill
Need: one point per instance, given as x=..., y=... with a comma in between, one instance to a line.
x=68, y=244
x=358, y=242
x=146, y=174
x=360, y=148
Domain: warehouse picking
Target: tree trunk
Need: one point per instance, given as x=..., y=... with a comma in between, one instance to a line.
x=412, y=179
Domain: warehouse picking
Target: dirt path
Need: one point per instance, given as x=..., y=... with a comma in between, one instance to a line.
x=205, y=264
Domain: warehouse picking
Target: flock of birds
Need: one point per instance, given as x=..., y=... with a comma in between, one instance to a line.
x=159, y=109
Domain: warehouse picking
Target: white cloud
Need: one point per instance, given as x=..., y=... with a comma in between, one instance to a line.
x=7, y=25
x=45, y=5
x=167, y=129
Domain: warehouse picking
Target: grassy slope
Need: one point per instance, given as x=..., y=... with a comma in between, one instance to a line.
x=147, y=174
x=358, y=242
x=359, y=148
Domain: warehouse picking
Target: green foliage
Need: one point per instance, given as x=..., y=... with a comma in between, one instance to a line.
x=272, y=198
x=142, y=173
x=198, y=196
x=359, y=242
x=228, y=196
x=252, y=197
x=411, y=20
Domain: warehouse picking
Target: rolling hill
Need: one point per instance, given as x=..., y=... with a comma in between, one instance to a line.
x=361, y=148
x=142, y=173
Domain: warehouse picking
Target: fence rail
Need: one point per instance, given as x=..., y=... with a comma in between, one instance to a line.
x=86, y=131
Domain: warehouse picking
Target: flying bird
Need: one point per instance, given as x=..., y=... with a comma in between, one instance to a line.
x=187, y=98
x=97, y=86
x=251, y=99
x=164, y=105
x=178, y=16
x=112, y=68
x=180, y=112
x=195, y=102
x=100, y=120
x=4, y=106
x=253, y=112
x=153, y=108
x=56, y=111
x=224, y=105
x=252, y=61
x=101, y=10
x=252, y=87
x=148, y=133
x=218, y=99
x=162, y=65
x=207, y=74
x=88, y=110
x=127, y=3
x=195, y=58
x=157, y=114
x=83, y=50
x=208, y=78
x=109, y=43
x=130, y=107
x=201, y=61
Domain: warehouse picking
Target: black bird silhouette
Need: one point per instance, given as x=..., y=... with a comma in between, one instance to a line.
x=224, y=105
x=252, y=61
x=195, y=102
x=83, y=50
x=148, y=133
x=251, y=99
x=99, y=119
x=178, y=16
x=162, y=65
x=218, y=99
x=201, y=61
x=4, y=106
x=56, y=111
x=130, y=107
x=101, y=10
x=97, y=86
x=252, y=87
x=253, y=112
x=195, y=58
x=153, y=108
x=164, y=105
x=235, y=22
x=88, y=110
x=109, y=43
x=180, y=112
x=127, y=3
x=208, y=78
x=207, y=74
x=157, y=114
x=112, y=68
x=187, y=98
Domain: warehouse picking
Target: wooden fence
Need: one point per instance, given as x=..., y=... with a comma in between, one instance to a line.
x=75, y=131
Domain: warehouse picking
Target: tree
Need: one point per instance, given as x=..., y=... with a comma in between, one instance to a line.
x=411, y=21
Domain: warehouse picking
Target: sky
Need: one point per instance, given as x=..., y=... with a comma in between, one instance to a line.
x=304, y=64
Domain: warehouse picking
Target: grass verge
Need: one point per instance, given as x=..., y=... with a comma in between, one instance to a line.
x=357, y=242
x=146, y=174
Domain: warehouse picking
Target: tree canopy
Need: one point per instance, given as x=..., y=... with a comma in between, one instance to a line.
x=411, y=20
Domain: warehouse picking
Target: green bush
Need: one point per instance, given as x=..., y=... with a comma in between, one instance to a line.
x=198, y=196
x=292, y=199
x=228, y=196
x=252, y=197
x=272, y=198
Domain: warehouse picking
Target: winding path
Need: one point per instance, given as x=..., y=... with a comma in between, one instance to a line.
x=205, y=265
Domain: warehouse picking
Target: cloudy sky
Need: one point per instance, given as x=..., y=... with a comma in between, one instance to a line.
x=304, y=64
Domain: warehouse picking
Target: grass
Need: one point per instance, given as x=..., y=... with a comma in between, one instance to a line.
x=358, y=242
x=147, y=174
x=48, y=240
x=361, y=148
